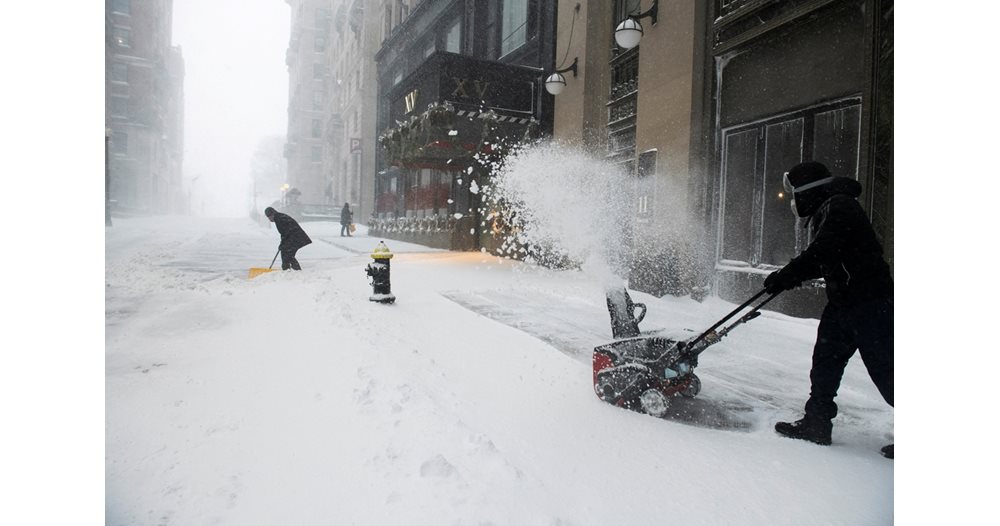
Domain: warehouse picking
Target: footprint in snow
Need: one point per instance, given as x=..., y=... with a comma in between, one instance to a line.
x=437, y=467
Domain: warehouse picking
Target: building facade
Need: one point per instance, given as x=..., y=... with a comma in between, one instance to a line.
x=457, y=81
x=310, y=90
x=352, y=114
x=144, y=107
x=716, y=102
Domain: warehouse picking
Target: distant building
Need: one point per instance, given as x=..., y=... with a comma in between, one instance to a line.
x=144, y=107
x=310, y=91
x=351, y=117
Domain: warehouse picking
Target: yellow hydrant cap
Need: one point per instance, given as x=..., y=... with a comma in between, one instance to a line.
x=381, y=251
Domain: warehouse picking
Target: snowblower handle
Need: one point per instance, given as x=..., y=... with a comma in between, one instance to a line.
x=730, y=315
x=747, y=317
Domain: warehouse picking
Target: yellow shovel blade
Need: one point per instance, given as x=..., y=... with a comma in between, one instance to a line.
x=257, y=271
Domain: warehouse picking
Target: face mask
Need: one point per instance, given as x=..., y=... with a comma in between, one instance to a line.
x=791, y=190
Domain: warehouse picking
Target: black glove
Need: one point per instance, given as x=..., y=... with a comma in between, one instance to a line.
x=778, y=281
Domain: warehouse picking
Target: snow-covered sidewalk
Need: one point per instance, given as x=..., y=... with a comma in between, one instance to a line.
x=292, y=399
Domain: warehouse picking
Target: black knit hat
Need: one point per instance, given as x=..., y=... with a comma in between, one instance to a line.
x=269, y=211
x=808, y=172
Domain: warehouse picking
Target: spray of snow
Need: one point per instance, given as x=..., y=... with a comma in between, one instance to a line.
x=566, y=203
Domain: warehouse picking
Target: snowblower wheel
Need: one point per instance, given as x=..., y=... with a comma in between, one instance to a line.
x=693, y=387
x=654, y=403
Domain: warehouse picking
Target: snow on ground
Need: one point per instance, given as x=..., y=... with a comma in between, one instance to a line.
x=292, y=399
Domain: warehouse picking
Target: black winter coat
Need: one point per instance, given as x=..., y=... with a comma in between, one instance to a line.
x=844, y=250
x=292, y=235
x=345, y=216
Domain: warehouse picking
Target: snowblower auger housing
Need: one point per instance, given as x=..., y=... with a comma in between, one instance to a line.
x=642, y=373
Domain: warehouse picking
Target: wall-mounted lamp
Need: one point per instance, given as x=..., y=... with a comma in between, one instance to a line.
x=629, y=31
x=555, y=83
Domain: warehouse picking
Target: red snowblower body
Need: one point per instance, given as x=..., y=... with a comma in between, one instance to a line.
x=642, y=373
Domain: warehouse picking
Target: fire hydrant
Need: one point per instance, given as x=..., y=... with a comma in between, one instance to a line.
x=378, y=270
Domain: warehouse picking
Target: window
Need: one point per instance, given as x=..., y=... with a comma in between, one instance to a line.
x=404, y=10
x=316, y=154
x=318, y=100
x=429, y=48
x=453, y=37
x=645, y=170
x=319, y=43
x=837, y=140
x=642, y=205
x=491, y=31
x=624, y=8
x=317, y=128
x=119, y=72
x=757, y=227
x=119, y=142
x=120, y=6
x=387, y=27
x=514, y=25
x=739, y=177
x=319, y=70
x=322, y=19
x=398, y=77
x=119, y=106
x=122, y=36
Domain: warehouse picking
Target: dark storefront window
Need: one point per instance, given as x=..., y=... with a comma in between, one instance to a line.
x=757, y=224
x=739, y=174
x=782, y=150
x=836, y=133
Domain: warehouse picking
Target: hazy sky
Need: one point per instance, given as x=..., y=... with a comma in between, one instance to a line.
x=236, y=92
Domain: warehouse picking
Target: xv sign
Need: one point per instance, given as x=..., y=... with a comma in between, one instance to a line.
x=460, y=90
x=411, y=101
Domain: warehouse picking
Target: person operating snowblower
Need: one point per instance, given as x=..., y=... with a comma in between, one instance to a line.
x=859, y=288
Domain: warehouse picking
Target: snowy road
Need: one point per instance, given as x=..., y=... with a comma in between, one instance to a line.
x=291, y=399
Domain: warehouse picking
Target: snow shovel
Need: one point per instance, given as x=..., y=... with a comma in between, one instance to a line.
x=642, y=373
x=257, y=271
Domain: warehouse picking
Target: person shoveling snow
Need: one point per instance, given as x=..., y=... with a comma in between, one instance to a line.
x=292, y=237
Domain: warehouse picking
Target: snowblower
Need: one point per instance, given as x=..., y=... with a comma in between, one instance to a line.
x=641, y=373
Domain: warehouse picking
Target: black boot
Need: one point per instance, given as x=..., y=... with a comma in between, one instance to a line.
x=887, y=451
x=811, y=429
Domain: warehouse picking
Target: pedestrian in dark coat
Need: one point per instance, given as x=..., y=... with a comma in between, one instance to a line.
x=859, y=288
x=292, y=237
x=346, y=217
